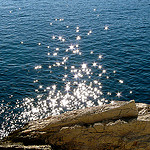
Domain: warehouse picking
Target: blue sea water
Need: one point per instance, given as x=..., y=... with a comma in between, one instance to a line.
x=60, y=55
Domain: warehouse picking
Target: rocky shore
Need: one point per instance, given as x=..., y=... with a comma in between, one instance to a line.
x=115, y=126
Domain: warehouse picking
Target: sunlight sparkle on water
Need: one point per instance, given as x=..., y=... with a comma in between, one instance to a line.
x=100, y=67
x=53, y=37
x=60, y=37
x=120, y=81
x=91, y=52
x=63, y=40
x=67, y=87
x=90, y=31
x=65, y=76
x=54, y=54
x=104, y=71
x=94, y=64
x=71, y=47
x=38, y=67
x=118, y=94
x=84, y=66
x=106, y=28
x=78, y=38
x=35, y=81
x=72, y=82
x=100, y=56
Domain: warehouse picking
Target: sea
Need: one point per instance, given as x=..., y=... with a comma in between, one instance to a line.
x=61, y=55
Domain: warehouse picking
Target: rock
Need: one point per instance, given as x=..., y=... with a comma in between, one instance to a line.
x=22, y=147
x=120, y=125
x=84, y=116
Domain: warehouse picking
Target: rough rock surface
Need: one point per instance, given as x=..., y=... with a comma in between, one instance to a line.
x=119, y=125
x=22, y=147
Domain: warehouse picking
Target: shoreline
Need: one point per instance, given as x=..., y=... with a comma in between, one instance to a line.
x=122, y=125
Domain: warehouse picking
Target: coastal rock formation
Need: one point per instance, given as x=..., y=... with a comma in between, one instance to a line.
x=22, y=147
x=118, y=125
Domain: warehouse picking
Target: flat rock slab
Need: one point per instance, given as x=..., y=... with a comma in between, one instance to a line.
x=85, y=116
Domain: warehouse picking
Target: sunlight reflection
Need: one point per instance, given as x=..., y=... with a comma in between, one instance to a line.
x=70, y=80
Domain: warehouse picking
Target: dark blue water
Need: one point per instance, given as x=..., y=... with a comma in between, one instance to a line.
x=36, y=83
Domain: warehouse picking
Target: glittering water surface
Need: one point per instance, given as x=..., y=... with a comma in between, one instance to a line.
x=56, y=56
